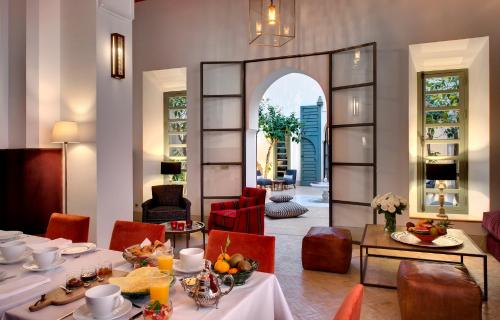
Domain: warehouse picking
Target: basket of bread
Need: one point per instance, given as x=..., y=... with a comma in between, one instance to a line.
x=146, y=253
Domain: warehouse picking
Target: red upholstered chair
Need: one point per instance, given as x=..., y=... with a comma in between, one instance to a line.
x=127, y=233
x=257, y=247
x=68, y=226
x=245, y=215
x=351, y=307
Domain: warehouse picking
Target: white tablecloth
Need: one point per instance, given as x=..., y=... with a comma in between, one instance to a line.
x=260, y=298
x=57, y=276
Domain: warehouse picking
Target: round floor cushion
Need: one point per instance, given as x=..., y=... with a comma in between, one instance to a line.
x=284, y=210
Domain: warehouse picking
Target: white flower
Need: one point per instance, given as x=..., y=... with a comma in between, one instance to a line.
x=384, y=206
x=392, y=209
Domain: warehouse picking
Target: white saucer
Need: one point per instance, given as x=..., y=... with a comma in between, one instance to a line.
x=83, y=312
x=25, y=255
x=9, y=235
x=78, y=248
x=32, y=266
x=180, y=268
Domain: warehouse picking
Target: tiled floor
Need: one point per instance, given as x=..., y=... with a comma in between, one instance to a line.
x=318, y=295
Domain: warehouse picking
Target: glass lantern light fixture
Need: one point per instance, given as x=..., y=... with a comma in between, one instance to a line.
x=271, y=22
x=117, y=56
x=355, y=106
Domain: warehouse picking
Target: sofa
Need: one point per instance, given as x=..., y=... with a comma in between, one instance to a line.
x=491, y=222
x=167, y=204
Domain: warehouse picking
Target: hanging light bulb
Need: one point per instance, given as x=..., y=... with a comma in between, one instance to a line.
x=271, y=13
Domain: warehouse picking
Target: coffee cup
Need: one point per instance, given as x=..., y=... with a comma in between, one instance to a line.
x=12, y=250
x=103, y=299
x=191, y=258
x=46, y=257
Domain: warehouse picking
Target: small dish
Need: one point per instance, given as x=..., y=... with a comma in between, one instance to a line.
x=178, y=267
x=78, y=248
x=23, y=257
x=83, y=312
x=32, y=266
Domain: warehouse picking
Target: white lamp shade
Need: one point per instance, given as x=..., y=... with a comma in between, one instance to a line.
x=65, y=131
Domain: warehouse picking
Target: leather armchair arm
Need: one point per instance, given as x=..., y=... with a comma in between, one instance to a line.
x=145, y=208
x=186, y=204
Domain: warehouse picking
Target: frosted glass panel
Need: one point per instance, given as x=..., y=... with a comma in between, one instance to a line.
x=222, y=113
x=221, y=181
x=352, y=183
x=353, y=67
x=222, y=79
x=222, y=147
x=353, y=106
x=353, y=144
x=351, y=216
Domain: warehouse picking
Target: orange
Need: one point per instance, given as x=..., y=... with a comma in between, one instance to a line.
x=233, y=270
x=224, y=257
x=221, y=266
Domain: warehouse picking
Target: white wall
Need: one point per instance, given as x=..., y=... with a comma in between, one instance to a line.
x=114, y=120
x=4, y=74
x=169, y=34
x=471, y=54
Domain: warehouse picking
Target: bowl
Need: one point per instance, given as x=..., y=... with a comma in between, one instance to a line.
x=241, y=277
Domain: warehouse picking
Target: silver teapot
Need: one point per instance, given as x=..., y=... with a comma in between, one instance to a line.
x=206, y=289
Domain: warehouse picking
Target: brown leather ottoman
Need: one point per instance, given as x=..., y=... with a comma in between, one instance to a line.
x=327, y=249
x=433, y=291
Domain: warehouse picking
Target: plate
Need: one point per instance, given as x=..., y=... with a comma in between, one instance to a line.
x=179, y=268
x=25, y=255
x=83, y=312
x=445, y=241
x=8, y=235
x=78, y=248
x=32, y=266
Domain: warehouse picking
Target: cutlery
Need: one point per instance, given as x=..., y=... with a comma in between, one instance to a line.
x=65, y=316
x=135, y=316
x=68, y=291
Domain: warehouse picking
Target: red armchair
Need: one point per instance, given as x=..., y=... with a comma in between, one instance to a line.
x=245, y=215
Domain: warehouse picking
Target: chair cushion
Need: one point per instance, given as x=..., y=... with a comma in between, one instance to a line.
x=225, y=218
x=281, y=198
x=246, y=202
x=284, y=210
x=168, y=195
x=491, y=222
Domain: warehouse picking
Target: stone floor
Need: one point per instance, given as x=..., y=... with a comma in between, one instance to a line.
x=318, y=295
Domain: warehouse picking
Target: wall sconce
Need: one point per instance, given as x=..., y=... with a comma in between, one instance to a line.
x=355, y=106
x=117, y=56
x=357, y=57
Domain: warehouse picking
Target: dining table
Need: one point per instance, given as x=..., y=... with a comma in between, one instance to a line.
x=260, y=297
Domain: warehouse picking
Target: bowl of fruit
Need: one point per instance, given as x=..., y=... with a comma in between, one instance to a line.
x=237, y=265
x=427, y=230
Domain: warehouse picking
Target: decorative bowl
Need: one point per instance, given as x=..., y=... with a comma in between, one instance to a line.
x=240, y=277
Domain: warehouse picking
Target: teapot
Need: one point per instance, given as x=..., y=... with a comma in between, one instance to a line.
x=206, y=289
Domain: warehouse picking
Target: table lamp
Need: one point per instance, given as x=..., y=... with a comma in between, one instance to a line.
x=171, y=168
x=65, y=132
x=441, y=172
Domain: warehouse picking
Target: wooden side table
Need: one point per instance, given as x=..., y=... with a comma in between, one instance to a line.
x=278, y=184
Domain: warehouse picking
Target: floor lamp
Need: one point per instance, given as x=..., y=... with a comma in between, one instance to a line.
x=65, y=132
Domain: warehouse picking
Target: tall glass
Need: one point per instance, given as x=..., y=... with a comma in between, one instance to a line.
x=166, y=261
x=159, y=286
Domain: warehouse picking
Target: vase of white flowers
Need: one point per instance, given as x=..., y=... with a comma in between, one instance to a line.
x=389, y=204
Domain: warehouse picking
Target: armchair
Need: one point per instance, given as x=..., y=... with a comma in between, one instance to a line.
x=245, y=215
x=290, y=177
x=263, y=182
x=167, y=204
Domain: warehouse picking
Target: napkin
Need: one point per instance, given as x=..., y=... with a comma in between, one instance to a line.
x=59, y=242
x=19, y=285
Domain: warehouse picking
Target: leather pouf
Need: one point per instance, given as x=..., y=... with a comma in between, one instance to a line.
x=433, y=291
x=327, y=249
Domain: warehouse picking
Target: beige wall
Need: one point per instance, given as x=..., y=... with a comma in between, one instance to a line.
x=173, y=33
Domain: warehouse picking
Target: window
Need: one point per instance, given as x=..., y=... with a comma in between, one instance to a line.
x=175, y=132
x=443, y=132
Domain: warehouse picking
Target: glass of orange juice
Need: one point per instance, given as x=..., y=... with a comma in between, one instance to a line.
x=166, y=261
x=159, y=286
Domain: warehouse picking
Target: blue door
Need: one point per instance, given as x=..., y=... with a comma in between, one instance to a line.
x=310, y=146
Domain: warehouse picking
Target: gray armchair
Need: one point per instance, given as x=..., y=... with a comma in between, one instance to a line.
x=167, y=204
x=292, y=177
x=261, y=181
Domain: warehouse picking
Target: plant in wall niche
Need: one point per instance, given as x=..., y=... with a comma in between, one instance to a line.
x=276, y=126
x=389, y=204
